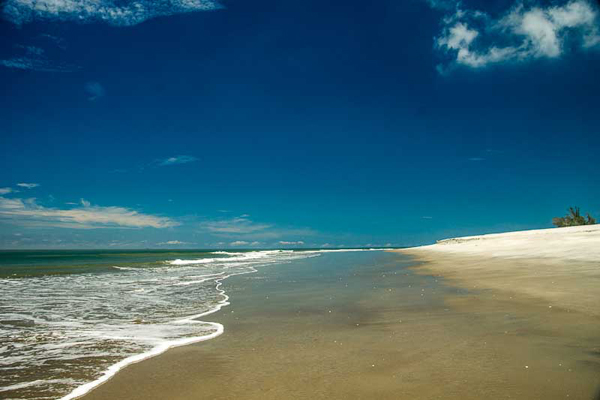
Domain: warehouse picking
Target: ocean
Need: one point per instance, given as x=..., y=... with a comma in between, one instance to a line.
x=70, y=320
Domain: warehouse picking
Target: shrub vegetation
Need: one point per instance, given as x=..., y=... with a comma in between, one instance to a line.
x=573, y=218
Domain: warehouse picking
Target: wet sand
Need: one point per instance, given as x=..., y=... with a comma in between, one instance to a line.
x=377, y=330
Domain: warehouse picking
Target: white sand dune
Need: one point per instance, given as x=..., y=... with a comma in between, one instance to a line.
x=559, y=266
x=581, y=243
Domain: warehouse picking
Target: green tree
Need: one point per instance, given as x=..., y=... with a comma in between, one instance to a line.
x=573, y=218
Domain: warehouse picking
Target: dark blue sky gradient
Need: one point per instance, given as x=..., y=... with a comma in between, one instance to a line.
x=328, y=116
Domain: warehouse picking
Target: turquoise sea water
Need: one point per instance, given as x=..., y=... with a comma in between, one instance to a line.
x=45, y=262
x=71, y=319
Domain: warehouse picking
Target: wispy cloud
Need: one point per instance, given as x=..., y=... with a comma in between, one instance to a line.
x=86, y=11
x=5, y=190
x=95, y=90
x=28, y=185
x=56, y=40
x=525, y=32
x=286, y=243
x=476, y=159
x=173, y=243
x=176, y=160
x=36, y=64
x=34, y=58
x=238, y=225
x=244, y=228
x=31, y=50
x=157, y=163
x=442, y=4
x=26, y=212
x=239, y=243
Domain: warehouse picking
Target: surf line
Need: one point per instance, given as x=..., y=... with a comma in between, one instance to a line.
x=161, y=348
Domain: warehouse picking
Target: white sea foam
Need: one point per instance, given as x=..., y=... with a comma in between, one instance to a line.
x=253, y=255
x=160, y=348
x=188, y=262
x=36, y=383
x=124, y=268
x=104, y=322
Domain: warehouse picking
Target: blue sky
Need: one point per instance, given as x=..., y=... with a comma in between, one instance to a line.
x=202, y=124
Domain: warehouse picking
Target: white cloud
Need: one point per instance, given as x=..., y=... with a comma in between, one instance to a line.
x=36, y=64
x=244, y=228
x=238, y=225
x=442, y=4
x=26, y=212
x=286, y=243
x=28, y=185
x=5, y=190
x=55, y=40
x=34, y=59
x=85, y=203
x=475, y=39
x=32, y=50
x=109, y=11
x=172, y=242
x=176, y=160
x=239, y=243
x=95, y=90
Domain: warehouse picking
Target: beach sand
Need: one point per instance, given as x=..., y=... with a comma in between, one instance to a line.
x=558, y=266
x=461, y=324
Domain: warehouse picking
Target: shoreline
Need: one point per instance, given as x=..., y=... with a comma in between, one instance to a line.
x=114, y=369
x=81, y=391
x=405, y=333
